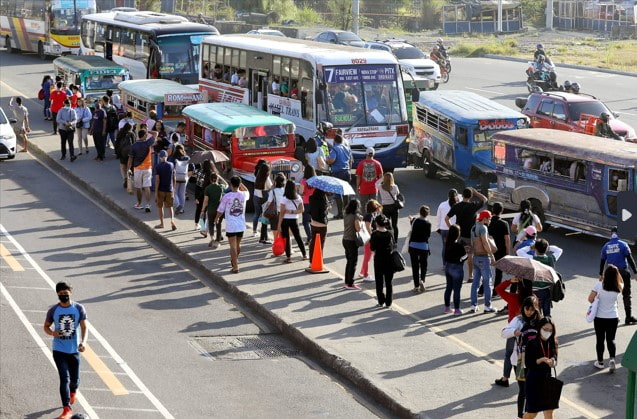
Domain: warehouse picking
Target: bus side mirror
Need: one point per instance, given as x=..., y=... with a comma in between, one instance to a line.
x=318, y=97
x=415, y=95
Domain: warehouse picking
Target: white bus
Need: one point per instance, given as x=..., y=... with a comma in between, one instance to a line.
x=151, y=45
x=359, y=91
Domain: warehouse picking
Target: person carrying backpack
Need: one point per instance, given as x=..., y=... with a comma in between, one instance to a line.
x=183, y=171
x=112, y=121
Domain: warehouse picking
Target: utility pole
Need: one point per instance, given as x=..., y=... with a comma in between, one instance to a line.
x=355, y=15
x=549, y=14
x=499, y=16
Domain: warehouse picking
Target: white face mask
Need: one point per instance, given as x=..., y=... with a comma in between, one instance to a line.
x=545, y=335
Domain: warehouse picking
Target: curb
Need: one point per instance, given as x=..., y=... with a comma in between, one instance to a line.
x=573, y=66
x=339, y=365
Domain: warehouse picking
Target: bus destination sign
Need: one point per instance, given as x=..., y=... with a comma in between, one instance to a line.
x=361, y=73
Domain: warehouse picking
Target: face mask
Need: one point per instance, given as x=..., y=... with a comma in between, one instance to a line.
x=64, y=298
x=546, y=335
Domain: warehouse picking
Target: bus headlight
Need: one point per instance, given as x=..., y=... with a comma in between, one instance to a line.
x=296, y=167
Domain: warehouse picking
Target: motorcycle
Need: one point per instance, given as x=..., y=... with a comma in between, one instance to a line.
x=447, y=63
x=544, y=80
x=445, y=68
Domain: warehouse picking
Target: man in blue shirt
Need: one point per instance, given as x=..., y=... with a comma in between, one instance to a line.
x=616, y=252
x=164, y=189
x=340, y=159
x=65, y=317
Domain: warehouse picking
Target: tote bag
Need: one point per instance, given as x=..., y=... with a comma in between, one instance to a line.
x=362, y=236
x=592, y=310
x=550, y=392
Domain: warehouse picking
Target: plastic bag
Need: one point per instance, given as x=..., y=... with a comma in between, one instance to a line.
x=203, y=224
x=278, y=246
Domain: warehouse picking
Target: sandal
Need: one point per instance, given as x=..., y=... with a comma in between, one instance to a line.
x=235, y=271
x=288, y=260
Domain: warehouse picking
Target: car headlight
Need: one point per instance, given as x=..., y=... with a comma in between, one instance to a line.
x=296, y=167
x=522, y=123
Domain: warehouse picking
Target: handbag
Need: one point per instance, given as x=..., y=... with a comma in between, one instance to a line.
x=398, y=261
x=264, y=220
x=362, y=236
x=399, y=200
x=41, y=94
x=550, y=391
x=592, y=310
x=271, y=210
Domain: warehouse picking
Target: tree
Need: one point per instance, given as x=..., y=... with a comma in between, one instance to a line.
x=341, y=11
x=149, y=5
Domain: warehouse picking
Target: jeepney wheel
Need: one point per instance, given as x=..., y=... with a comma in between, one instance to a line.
x=7, y=44
x=41, y=53
x=536, y=207
x=429, y=167
x=435, y=86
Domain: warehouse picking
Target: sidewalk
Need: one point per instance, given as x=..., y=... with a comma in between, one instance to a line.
x=411, y=366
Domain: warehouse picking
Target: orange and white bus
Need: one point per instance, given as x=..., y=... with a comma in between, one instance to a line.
x=48, y=27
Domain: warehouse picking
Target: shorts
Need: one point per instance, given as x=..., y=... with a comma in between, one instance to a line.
x=237, y=234
x=142, y=178
x=466, y=242
x=165, y=199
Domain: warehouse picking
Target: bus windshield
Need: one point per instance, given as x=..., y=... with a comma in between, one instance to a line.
x=66, y=20
x=180, y=58
x=268, y=141
x=363, y=95
x=103, y=82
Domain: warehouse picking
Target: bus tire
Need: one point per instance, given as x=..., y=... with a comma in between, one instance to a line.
x=41, y=53
x=429, y=167
x=7, y=44
x=536, y=207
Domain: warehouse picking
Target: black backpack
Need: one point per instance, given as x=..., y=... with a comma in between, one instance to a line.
x=112, y=120
x=558, y=290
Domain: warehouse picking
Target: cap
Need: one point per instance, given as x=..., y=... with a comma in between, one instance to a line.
x=163, y=154
x=370, y=150
x=484, y=214
x=530, y=230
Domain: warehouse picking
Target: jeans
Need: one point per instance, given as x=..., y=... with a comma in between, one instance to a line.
x=383, y=274
x=391, y=211
x=47, y=107
x=351, y=255
x=211, y=225
x=68, y=366
x=454, y=273
x=443, y=235
x=322, y=232
x=110, y=136
x=307, y=218
x=508, y=351
x=100, y=145
x=605, y=329
x=180, y=194
x=66, y=136
x=544, y=299
x=418, y=265
x=481, y=270
x=340, y=200
x=291, y=224
x=365, y=198
x=367, y=255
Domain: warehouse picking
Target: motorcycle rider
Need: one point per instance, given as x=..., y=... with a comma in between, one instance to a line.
x=541, y=67
x=603, y=128
x=441, y=48
x=539, y=52
x=436, y=55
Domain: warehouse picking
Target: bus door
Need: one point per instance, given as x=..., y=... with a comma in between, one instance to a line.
x=259, y=89
x=616, y=180
x=463, y=141
x=108, y=43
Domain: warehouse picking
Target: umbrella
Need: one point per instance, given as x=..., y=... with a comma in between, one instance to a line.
x=331, y=184
x=214, y=155
x=526, y=268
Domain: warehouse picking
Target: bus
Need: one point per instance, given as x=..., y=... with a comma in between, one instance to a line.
x=571, y=179
x=47, y=27
x=151, y=45
x=452, y=131
x=359, y=91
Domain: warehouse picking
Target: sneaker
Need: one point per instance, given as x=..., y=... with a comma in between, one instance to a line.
x=66, y=413
x=352, y=287
x=630, y=320
x=178, y=209
x=368, y=278
x=504, y=310
x=147, y=208
x=138, y=206
x=599, y=365
x=73, y=158
x=422, y=286
x=457, y=312
x=611, y=366
x=475, y=308
x=416, y=290
x=502, y=383
x=489, y=309
x=447, y=310
x=72, y=400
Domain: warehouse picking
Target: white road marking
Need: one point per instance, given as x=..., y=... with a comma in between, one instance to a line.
x=124, y=409
x=30, y=288
x=122, y=364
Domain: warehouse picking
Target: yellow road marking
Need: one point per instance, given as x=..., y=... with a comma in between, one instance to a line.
x=117, y=388
x=11, y=261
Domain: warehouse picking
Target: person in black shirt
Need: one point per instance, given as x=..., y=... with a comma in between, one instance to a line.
x=465, y=212
x=419, y=248
x=382, y=243
x=455, y=255
x=499, y=230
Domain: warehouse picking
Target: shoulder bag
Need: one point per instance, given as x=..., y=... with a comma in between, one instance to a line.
x=399, y=200
x=550, y=391
x=398, y=261
x=362, y=236
x=271, y=210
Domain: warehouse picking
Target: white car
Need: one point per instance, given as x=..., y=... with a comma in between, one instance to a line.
x=411, y=59
x=8, y=142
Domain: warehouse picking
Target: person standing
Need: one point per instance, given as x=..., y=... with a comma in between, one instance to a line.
x=441, y=213
x=368, y=172
x=548, y=255
x=526, y=218
x=306, y=192
x=419, y=248
x=319, y=208
x=606, y=320
x=455, y=255
x=75, y=95
x=290, y=206
x=465, y=213
x=388, y=193
x=372, y=210
x=57, y=96
x=125, y=139
x=139, y=162
x=165, y=189
x=212, y=197
x=21, y=127
x=233, y=207
x=84, y=117
x=499, y=230
x=352, y=225
x=66, y=119
x=67, y=317
x=382, y=243
x=98, y=131
x=202, y=180
x=112, y=120
x=315, y=156
x=262, y=185
x=482, y=258
x=183, y=171
x=340, y=160
x=616, y=252
x=47, y=83
x=540, y=357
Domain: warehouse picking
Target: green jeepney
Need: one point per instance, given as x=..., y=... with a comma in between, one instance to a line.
x=93, y=75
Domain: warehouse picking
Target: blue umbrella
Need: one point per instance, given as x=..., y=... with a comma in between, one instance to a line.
x=331, y=184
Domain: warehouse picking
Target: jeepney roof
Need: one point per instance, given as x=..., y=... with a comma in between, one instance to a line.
x=575, y=145
x=88, y=63
x=154, y=90
x=227, y=117
x=466, y=106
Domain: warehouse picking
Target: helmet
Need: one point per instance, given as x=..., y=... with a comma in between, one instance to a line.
x=541, y=58
x=436, y=48
x=324, y=126
x=575, y=87
x=567, y=84
x=540, y=46
x=440, y=41
x=604, y=116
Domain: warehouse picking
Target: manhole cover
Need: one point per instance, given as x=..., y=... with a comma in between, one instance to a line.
x=239, y=348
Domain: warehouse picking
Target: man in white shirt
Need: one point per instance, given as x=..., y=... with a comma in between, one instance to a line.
x=21, y=127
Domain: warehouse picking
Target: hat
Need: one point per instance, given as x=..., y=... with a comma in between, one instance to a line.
x=484, y=214
x=163, y=154
x=530, y=230
x=370, y=150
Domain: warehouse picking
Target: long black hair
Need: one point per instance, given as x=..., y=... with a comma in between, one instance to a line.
x=290, y=190
x=453, y=235
x=262, y=176
x=526, y=216
x=353, y=206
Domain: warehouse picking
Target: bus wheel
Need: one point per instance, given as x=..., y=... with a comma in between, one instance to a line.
x=536, y=207
x=7, y=44
x=41, y=53
x=429, y=167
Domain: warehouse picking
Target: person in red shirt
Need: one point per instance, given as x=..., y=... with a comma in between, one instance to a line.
x=58, y=96
x=368, y=172
x=74, y=96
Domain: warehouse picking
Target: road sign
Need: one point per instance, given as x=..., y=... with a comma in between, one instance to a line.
x=627, y=211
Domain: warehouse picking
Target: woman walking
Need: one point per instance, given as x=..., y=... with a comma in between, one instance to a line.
x=306, y=191
x=352, y=224
x=275, y=196
x=540, y=358
x=202, y=181
x=262, y=186
x=388, y=192
x=83, y=125
x=455, y=255
x=233, y=207
x=123, y=142
x=181, y=159
x=443, y=209
x=47, y=83
x=607, y=290
x=382, y=243
x=289, y=208
x=319, y=208
x=419, y=248
x=372, y=210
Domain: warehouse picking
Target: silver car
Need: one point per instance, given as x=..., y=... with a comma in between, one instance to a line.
x=8, y=142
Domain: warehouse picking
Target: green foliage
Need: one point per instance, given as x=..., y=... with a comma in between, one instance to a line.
x=286, y=9
x=341, y=11
x=431, y=11
x=533, y=11
x=225, y=13
x=506, y=47
x=153, y=5
x=307, y=16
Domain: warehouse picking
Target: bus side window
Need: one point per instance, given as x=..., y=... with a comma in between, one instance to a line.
x=461, y=135
x=563, y=167
x=617, y=180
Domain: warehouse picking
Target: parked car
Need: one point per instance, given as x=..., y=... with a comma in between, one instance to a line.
x=266, y=31
x=340, y=37
x=570, y=112
x=411, y=59
x=8, y=143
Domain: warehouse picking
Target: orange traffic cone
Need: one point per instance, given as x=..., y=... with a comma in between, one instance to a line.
x=317, y=258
